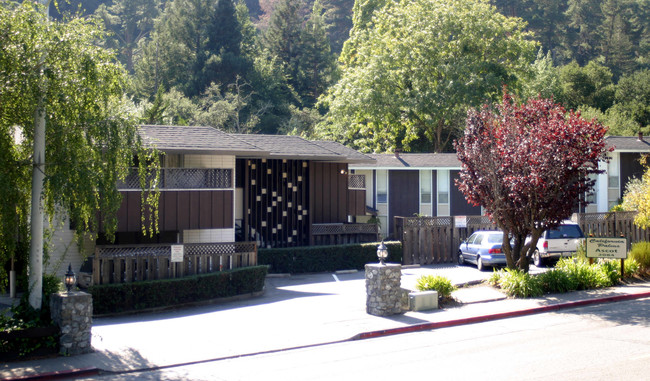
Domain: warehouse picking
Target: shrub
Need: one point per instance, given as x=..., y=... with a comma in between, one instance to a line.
x=25, y=318
x=640, y=252
x=313, y=259
x=495, y=278
x=556, y=281
x=632, y=267
x=115, y=298
x=437, y=283
x=585, y=276
x=520, y=284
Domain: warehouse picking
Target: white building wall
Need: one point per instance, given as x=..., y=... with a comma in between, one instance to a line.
x=209, y=161
x=63, y=249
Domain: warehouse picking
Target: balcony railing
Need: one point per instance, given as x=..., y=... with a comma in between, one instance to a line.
x=183, y=178
x=357, y=182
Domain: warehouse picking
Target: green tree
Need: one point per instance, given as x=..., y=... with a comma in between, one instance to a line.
x=633, y=96
x=545, y=79
x=421, y=66
x=590, y=85
x=584, y=17
x=129, y=22
x=616, y=38
x=175, y=55
x=282, y=38
x=317, y=64
x=54, y=70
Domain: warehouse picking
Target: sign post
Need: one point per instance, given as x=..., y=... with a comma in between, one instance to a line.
x=611, y=248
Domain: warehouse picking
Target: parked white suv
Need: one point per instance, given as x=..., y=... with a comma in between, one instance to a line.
x=556, y=243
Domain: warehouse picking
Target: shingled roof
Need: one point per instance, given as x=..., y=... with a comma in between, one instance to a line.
x=209, y=140
x=629, y=143
x=413, y=160
x=195, y=140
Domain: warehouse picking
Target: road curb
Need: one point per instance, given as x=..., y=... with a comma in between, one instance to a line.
x=497, y=316
x=58, y=375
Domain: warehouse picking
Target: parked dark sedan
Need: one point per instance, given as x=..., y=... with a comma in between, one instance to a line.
x=482, y=248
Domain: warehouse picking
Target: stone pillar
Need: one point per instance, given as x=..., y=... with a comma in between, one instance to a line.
x=383, y=289
x=73, y=313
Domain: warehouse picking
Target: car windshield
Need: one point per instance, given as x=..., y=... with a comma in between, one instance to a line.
x=565, y=231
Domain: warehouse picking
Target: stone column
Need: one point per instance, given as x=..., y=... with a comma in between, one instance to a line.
x=383, y=289
x=73, y=313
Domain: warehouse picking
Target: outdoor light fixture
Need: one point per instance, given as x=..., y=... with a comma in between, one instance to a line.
x=70, y=278
x=382, y=252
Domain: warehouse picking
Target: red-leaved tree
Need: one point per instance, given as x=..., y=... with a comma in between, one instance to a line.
x=528, y=165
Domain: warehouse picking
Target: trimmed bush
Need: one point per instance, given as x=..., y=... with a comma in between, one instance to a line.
x=519, y=284
x=584, y=275
x=640, y=252
x=315, y=259
x=437, y=283
x=556, y=281
x=116, y=298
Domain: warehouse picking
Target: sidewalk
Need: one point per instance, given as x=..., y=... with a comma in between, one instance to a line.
x=295, y=311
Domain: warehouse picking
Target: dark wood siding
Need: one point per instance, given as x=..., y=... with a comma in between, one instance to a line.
x=330, y=192
x=403, y=195
x=356, y=202
x=459, y=206
x=182, y=210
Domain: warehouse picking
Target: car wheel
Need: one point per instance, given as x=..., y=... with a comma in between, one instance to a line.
x=461, y=260
x=479, y=264
x=538, y=261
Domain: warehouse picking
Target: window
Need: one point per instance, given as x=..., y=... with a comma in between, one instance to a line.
x=443, y=187
x=425, y=187
x=382, y=186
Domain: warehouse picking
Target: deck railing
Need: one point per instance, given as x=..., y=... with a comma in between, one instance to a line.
x=132, y=263
x=183, y=178
x=339, y=233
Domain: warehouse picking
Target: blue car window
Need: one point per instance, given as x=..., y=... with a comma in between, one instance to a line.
x=495, y=238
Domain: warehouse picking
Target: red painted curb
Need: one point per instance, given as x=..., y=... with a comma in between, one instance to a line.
x=497, y=316
x=57, y=375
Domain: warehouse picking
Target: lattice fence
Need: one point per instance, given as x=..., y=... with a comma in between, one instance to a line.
x=132, y=263
x=357, y=182
x=183, y=178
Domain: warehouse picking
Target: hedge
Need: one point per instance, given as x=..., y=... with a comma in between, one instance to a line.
x=314, y=259
x=123, y=297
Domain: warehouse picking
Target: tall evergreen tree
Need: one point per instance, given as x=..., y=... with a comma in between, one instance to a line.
x=316, y=62
x=616, y=45
x=129, y=21
x=583, y=16
x=282, y=38
x=223, y=48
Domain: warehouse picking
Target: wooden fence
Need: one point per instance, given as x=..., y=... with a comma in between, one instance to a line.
x=132, y=263
x=431, y=240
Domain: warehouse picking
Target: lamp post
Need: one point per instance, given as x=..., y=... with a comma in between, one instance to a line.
x=70, y=278
x=382, y=252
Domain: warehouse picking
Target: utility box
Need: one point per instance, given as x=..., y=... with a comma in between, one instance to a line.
x=423, y=300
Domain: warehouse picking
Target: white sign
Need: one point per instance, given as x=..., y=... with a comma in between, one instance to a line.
x=607, y=248
x=460, y=221
x=177, y=253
